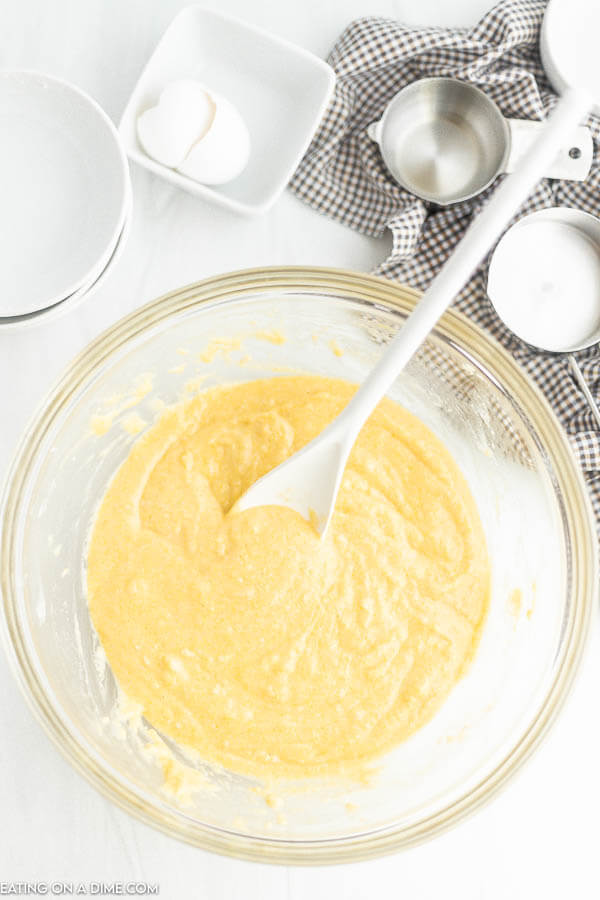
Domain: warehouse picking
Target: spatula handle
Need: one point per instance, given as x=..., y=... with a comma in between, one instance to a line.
x=479, y=238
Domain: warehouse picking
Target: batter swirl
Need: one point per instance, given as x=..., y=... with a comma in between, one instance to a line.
x=245, y=636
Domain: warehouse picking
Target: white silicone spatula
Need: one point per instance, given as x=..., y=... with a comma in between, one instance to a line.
x=309, y=480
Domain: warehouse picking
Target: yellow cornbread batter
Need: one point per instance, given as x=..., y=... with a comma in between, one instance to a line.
x=245, y=636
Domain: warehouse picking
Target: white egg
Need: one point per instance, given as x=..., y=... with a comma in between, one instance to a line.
x=223, y=151
x=183, y=115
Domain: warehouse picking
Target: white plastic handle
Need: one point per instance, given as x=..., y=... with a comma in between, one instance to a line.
x=572, y=162
x=480, y=236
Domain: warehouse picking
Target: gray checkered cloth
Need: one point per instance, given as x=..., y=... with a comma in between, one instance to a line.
x=343, y=175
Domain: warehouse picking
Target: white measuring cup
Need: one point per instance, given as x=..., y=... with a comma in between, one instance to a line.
x=544, y=283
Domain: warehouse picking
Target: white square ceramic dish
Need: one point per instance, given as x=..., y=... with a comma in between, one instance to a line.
x=281, y=91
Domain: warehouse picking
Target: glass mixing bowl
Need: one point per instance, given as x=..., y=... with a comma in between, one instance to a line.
x=531, y=499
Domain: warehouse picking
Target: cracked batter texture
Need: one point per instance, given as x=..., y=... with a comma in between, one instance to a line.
x=245, y=636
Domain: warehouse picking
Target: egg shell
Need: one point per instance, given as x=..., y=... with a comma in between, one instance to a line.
x=184, y=113
x=223, y=152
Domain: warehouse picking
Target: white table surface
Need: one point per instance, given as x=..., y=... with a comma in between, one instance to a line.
x=539, y=838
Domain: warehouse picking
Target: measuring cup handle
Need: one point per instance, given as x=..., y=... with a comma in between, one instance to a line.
x=578, y=376
x=573, y=161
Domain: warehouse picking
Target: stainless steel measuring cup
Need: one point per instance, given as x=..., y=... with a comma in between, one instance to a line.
x=445, y=141
x=544, y=283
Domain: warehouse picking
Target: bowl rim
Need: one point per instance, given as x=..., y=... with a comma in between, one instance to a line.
x=460, y=333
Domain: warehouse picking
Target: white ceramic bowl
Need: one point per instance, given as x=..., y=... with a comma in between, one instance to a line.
x=51, y=313
x=65, y=188
x=280, y=90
